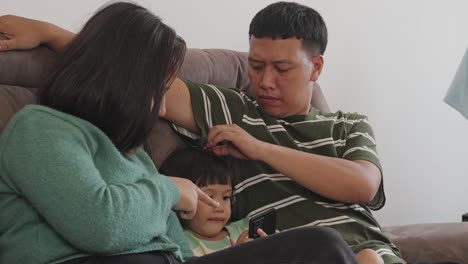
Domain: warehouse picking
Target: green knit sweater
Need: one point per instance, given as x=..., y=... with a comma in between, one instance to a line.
x=67, y=192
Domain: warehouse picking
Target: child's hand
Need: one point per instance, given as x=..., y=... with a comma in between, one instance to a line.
x=244, y=236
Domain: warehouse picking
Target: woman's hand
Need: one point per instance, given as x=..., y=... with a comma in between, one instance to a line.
x=235, y=142
x=190, y=194
x=24, y=33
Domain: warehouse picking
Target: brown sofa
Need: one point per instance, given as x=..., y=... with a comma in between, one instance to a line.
x=22, y=71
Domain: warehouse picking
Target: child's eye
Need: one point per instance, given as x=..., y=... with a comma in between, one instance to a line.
x=211, y=196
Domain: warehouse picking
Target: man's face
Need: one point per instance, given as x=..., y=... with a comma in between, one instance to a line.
x=281, y=74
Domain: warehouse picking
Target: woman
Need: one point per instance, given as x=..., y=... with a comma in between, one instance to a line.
x=77, y=182
x=75, y=185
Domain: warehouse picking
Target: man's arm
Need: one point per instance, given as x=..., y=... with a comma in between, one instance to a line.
x=24, y=33
x=178, y=106
x=337, y=179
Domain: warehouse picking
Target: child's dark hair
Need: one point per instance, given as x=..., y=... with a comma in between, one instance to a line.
x=201, y=167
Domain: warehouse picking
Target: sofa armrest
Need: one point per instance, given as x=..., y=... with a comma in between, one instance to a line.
x=29, y=68
x=431, y=242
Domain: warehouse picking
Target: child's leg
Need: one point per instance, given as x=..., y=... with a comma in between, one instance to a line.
x=369, y=256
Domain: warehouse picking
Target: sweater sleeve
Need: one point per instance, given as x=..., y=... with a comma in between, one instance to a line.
x=53, y=169
x=176, y=233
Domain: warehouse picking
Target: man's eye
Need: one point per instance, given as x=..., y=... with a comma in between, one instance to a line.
x=227, y=198
x=256, y=68
x=280, y=70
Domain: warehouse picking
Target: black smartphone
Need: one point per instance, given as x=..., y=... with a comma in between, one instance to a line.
x=265, y=220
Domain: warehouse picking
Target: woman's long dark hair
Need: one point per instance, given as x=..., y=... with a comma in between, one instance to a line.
x=122, y=60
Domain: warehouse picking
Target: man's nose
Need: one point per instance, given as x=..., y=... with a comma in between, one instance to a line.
x=268, y=79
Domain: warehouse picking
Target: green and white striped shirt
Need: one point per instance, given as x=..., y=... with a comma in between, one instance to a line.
x=258, y=186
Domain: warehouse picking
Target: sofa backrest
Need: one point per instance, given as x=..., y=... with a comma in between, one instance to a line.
x=21, y=72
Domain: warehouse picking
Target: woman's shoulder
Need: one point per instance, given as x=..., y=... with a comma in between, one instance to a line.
x=47, y=124
x=41, y=118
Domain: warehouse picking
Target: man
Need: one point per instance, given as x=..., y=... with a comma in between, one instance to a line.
x=316, y=169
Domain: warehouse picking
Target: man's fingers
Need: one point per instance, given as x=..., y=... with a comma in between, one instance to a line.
x=221, y=150
x=215, y=132
x=230, y=150
x=203, y=197
x=214, y=138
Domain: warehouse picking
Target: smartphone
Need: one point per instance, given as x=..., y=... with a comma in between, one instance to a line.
x=265, y=220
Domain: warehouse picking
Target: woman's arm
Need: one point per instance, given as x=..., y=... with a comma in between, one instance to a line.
x=24, y=33
x=51, y=166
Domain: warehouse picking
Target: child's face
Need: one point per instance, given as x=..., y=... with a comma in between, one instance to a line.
x=209, y=221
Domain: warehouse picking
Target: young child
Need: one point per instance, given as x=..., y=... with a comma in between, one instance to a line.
x=209, y=230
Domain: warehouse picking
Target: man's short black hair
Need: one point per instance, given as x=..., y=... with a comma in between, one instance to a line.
x=283, y=20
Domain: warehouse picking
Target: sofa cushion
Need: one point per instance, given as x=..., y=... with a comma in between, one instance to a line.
x=216, y=66
x=12, y=99
x=431, y=242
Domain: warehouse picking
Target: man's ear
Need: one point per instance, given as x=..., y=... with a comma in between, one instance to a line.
x=317, y=62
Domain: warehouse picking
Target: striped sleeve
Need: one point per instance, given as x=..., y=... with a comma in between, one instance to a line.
x=361, y=145
x=360, y=142
x=214, y=105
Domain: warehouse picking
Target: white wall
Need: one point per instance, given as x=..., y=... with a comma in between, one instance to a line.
x=391, y=60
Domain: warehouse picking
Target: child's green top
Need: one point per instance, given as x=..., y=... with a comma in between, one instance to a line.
x=201, y=247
